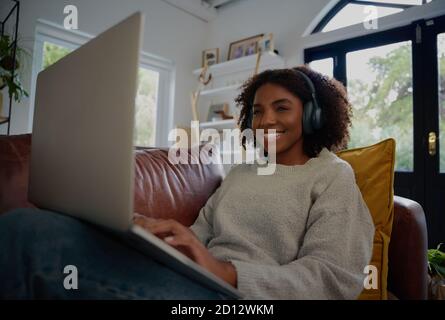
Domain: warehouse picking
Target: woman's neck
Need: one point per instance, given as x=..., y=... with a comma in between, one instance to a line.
x=298, y=160
x=295, y=155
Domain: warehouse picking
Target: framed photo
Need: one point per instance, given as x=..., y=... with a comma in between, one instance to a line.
x=266, y=43
x=210, y=56
x=244, y=47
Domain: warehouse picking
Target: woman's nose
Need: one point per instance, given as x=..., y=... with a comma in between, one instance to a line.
x=269, y=118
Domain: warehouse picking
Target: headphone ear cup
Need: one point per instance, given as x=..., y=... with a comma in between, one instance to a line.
x=307, y=117
x=318, y=120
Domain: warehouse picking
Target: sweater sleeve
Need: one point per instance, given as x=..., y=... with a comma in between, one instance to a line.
x=202, y=227
x=335, y=249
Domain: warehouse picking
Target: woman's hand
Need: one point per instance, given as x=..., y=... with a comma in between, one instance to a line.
x=184, y=240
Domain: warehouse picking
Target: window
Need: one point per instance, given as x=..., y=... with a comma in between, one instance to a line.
x=350, y=12
x=381, y=92
x=146, y=98
x=52, y=53
x=146, y=107
x=154, y=83
x=324, y=66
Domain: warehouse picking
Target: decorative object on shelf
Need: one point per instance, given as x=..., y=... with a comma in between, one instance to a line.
x=194, y=101
x=436, y=266
x=210, y=57
x=219, y=112
x=227, y=78
x=258, y=61
x=202, y=76
x=266, y=43
x=244, y=47
x=9, y=52
x=203, y=81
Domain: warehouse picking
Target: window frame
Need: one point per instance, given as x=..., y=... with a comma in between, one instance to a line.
x=343, y=3
x=339, y=49
x=50, y=32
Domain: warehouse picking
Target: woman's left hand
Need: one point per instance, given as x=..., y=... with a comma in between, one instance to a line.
x=184, y=240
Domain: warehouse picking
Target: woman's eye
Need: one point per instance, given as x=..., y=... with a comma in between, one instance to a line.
x=281, y=108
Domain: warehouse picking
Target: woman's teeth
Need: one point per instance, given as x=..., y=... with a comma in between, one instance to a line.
x=275, y=136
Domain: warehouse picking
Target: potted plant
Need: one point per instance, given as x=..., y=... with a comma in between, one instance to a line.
x=7, y=59
x=436, y=266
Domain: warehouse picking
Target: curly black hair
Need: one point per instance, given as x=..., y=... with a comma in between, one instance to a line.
x=331, y=95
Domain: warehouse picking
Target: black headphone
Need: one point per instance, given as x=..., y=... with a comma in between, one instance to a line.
x=312, y=111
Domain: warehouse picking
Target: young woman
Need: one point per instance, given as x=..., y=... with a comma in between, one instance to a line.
x=303, y=232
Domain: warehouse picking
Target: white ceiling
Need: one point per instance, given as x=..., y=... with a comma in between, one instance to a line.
x=206, y=10
x=218, y=3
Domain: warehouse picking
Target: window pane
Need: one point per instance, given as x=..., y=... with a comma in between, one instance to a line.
x=353, y=14
x=52, y=53
x=380, y=88
x=441, y=65
x=146, y=102
x=324, y=66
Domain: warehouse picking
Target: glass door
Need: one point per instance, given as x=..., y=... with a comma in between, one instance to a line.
x=396, y=82
x=432, y=64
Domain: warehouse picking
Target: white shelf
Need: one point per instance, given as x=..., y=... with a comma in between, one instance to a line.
x=244, y=63
x=219, y=125
x=220, y=91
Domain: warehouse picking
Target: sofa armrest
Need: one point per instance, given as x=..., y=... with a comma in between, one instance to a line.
x=408, y=266
x=15, y=154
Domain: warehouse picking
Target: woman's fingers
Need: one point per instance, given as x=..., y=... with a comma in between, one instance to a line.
x=171, y=231
x=166, y=227
x=139, y=218
x=178, y=236
x=185, y=244
x=143, y=221
x=161, y=227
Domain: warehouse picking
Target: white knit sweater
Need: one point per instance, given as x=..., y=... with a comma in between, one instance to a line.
x=302, y=233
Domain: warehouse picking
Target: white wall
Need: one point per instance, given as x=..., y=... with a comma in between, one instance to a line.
x=286, y=19
x=169, y=33
x=289, y=20
x=180, y=37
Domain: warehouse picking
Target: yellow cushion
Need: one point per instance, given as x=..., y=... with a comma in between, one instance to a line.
x=374, y=172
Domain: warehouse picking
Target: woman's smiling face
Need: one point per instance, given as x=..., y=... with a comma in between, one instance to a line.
x=274, y=107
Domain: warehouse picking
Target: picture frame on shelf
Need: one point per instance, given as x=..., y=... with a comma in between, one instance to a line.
x=210, y=57
x=244, y=47
x=266, y=44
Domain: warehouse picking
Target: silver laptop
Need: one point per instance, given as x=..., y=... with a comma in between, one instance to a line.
x=82, y=160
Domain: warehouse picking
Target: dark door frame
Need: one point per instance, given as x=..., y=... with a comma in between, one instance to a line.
x=425, y=114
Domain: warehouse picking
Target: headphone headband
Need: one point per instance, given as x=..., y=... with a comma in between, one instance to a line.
x=308, y=81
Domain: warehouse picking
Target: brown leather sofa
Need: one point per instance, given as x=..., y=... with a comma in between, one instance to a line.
x=163, y=190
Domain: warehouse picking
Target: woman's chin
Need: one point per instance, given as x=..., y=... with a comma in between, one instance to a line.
x=276, y=149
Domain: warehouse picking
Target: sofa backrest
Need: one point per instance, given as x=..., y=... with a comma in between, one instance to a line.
x=163, y=190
